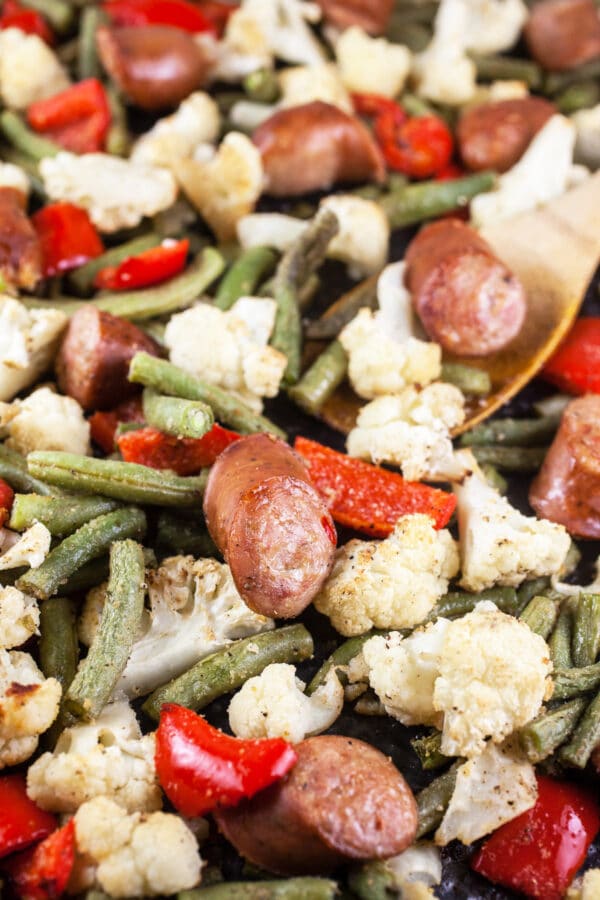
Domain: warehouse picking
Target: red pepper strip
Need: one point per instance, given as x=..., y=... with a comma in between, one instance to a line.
x=375, y=104
x=67, y=236
x=22, y=822
x=42, y=873
x=26, y=20
x=575, y=366
x=7, y=495
x=367, y=498
x=177, y=13
x=539, y=852
x=150, y=267
x=78, y=118
x=103, y=425
x=419, y=147
x=200, y=768
x=185, y=456
x=218, y=13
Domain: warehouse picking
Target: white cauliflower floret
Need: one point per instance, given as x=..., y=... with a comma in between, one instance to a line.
x=418, y=866
x=564, y=587
x=117, y=193
x=226, y=185
x=31, y=549
x=196, y=121
x=137, y=855
x=195, y=610
x=105, y=758
x=492, y=25
x=493, y=679
x=363, y=236
x=392, y=583
x=371, y=65
x=269, y=230
x=498, y=544
x=305, y=84
x=28, y=341
x=495, y=787
x=402, y=672
x=412, y=430
x=585, y=888
x=230, y=348
x=45, y=420
x=14, y=177
x=28, y=706
x=285, y=27
x=273, y=704
x=587, y=140
x=19, y=617
x=243, y=49
x=29, y=69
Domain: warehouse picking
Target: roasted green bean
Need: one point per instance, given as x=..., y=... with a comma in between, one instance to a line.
x=540, y=615
x=60, y=515
x=245, y=275
x=24, y=139
x=541, y=737
x=586, y=630
x=511, y=459
x=561, y=639
x=471, y=381
x=81, y=279
x=518, y=432
x=182, y=418
x=572, y=682
x=322, y=378
x=433, y=800
x=288, y=889
x=585, y=737
x=419, y=202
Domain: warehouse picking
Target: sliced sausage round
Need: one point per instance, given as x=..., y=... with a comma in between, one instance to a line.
x=466, y=298
x=343, y=800
x=563, y=34
x=20, y=249
x=567, y=488
x=93, y=360
x=371, y=15
x=270, y=524
x=314, y=146
x=496, y=135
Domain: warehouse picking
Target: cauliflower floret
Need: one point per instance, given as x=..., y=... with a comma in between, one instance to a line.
x=31, y=549
x=492, y=25
x=19, y=617
x=491, y=789
x=117, y=193
x=498, y=544
x=419, y=865
x=392, y=583
x=226, y=185
x=195, y=610
x=14, y=177
x=230, y=348
x=45, y=420
x=371, y=65
x=587, y=140
x=273, y=704
x=585, y=888
x=363, y=236
x=243, y=49
x=28, y=340
x=28, y=706
x=564, y=587
x=196, y=121
x=411, y=430
x=29, y=70
x=269, y=230
x=402, y=672
x=284, y=25
x=108, y=758
x=494, y=677
x=137, y=855
x=304, y=84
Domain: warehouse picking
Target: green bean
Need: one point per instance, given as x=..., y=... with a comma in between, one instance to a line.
x=459, y=603
x=99, y=672
x=530, y=589
x=468, y=379
x=321, y=380
x=125, y=481
x=343, y=655
x=585, y=737
x=13, y=469
x=90, y=541
x=433, y=800
x=175, y=536
x=306, y=293
x=118, y=141
x=343, y=311
x=578, y=96
x=555, y=82
x=295, y=268
x=245, y=275
x=429, y=750
x=59, y=652
x=508, y=68
x=494, y=478
x=88, y=576
x=166, y=378
x=373, y=881
x=415, y=36
x=554, y=405
x=288, y=889
x=573, y=682
x=540, y=615
x=262, y=86
x=421, y=13
x=541, y=737
x=511, y=459
x=68, y=51
x=88, y=65
x=518, y=432
x=182, y=418
x=431, y=199
x=24, y=139
x=368, y=191
x=60, y=515
x=225, y=671
x=416, y=106
x=586, y=630
x=59, y=13
x=560, y=640
x=29, y=166
x=81, y=279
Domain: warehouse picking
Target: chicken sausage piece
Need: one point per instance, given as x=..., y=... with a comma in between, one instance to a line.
x=93, y=360
x=314, y=146
x=270, y=524
x=496, y=135
x=20, y=250
x=563, y=34
x=342, y=800
x=567, y=488
x=466, y=298
x=371, y=15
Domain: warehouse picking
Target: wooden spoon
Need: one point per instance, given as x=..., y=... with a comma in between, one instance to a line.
x=554, y=250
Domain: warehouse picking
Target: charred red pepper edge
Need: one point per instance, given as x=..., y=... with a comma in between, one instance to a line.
x=200, y=768
x=575, y=366
x=22, y=822
x=177, y=13
x=27, y=20
x=67, y=237
x=148, y=268
x=42, y=873
x=7, y=495
x=77, y=118
x=185, y=456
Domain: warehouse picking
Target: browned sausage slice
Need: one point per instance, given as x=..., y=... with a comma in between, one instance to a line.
x=271, y=525
x=371, y=15
x=496, y=135
x=466, y=298
x=342, y=800
x=20, y=251
x=563, y=34
x=93, y=360
x=567, y=489
x=314, y=146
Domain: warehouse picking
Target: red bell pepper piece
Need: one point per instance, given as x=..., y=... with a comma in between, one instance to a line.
x=26, y=20
x=103, y=425
x=177, y=13
x=42, y=873
x=200, y=768
x=575, y=366
x=539, y=852
x=150, y=267
x=367, y=498
x=7, y=495
x=374, y=104
x=22, y=822
x=78, y=118
x=218, y=13
x=419, y=147
x=67, y=236
x=185, y=456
